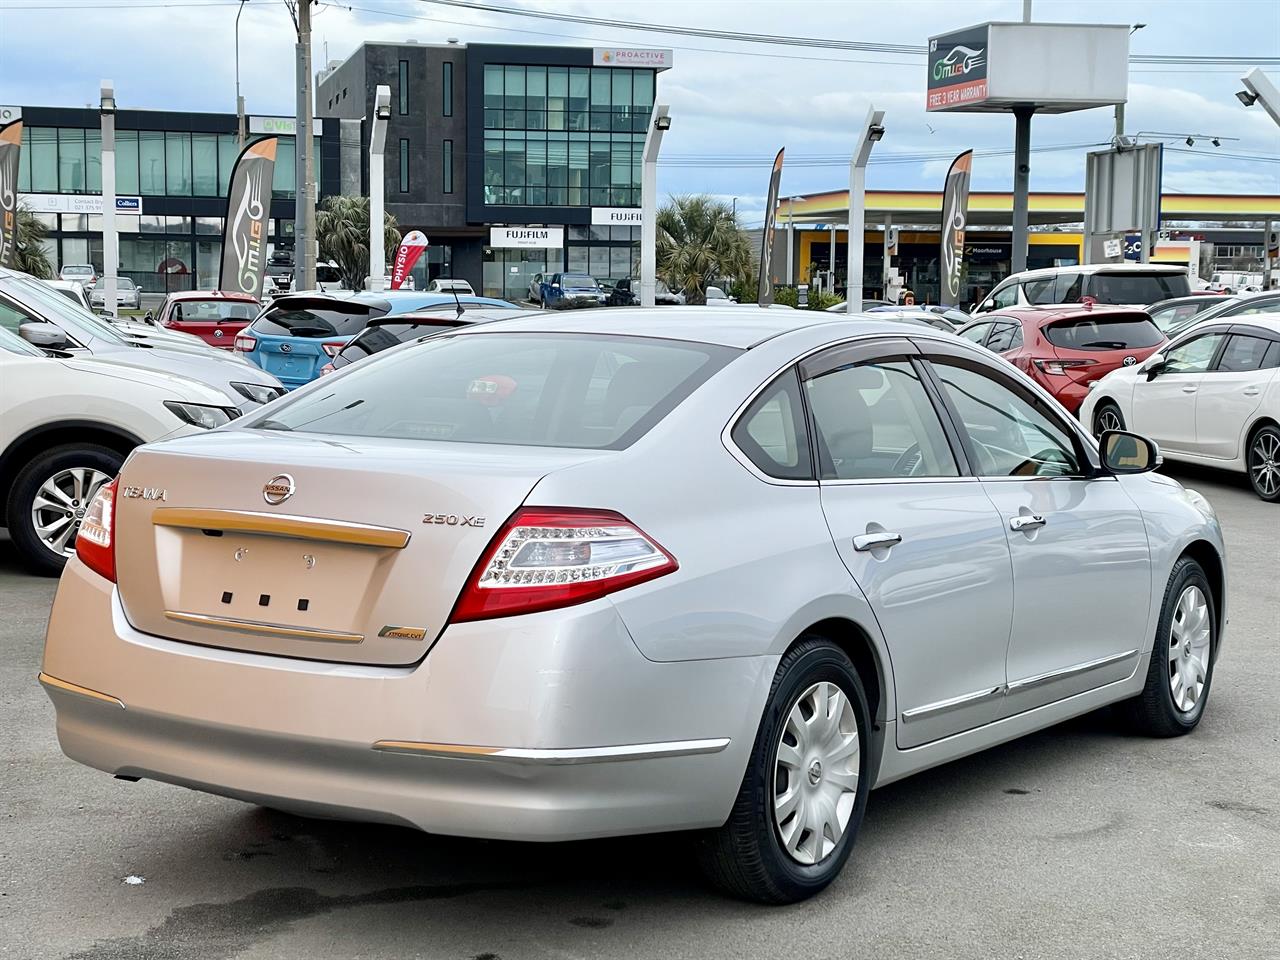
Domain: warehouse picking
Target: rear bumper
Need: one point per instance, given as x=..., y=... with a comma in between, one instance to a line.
x=546, y=727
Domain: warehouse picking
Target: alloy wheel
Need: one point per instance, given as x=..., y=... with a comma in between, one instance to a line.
x=60, y=504
x=1189, y=637
x=1109, y=420
x=1264, y=464
x=815, y=781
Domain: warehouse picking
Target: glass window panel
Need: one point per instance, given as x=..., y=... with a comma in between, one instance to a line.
x=600, y=88
x=178, y=163
x=71, y=172
x=578, y=259
x=446, y=77
x=493, y=85
x=772, y=432
x=228, y=150
x=93, y=161
x=126, y=162
x=621, y=90
x=74, y=250
x=209, y=225
x=402, y=88
x=1192, y=356
x=151, y=163
x=579, y=96
x=24, y=162
x=447, y=166
x=513, y=170
x=598, y=262
x=204, y=164
x=44, y=160
x=642, y=89
x=404, y=165
x=620, y=165
x=619, y=262
x=558, y=82
x=284, y=181
x=126, y=223
x=536, y=88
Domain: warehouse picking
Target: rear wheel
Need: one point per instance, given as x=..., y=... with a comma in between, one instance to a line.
x=1263, y=462
x=48, y=501
x=1107, y=417
x=805, y=790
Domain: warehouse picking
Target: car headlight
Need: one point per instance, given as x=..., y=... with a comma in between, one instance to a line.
x=258, y=392
x=201, y=414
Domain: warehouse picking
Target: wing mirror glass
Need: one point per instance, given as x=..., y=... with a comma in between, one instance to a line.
x=1124, y=452
x=46, y=336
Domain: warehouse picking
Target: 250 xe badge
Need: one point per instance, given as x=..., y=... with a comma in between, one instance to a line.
x=453, y=520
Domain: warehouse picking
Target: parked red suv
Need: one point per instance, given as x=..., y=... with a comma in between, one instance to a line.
x=212, y=315
x=1065, y=348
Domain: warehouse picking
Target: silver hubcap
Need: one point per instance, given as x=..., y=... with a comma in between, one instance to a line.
x=1189, y=649
x=1108, y=420
x=1264, y=464
x=815, y=780
x=60, y=505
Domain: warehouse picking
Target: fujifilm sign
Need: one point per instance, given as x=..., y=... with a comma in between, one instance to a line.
x=616, y=217
x=531, y=237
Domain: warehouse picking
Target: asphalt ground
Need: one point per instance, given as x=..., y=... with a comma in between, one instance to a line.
x=1077, y=842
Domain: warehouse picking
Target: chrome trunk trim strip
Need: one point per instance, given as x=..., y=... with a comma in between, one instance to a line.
x=555, y=757
x=264, y=629
x=75, y=688
x=281, y=525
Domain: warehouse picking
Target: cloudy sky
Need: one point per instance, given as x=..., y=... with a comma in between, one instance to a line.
x=733, y=104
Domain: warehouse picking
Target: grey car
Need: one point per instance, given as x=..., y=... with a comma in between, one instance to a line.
x=625, y=571
x=48, y=320
x=128, y=295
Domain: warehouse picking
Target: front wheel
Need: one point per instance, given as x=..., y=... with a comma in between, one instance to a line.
x=805, y=790
x=1263, y=461
x=1107, y=417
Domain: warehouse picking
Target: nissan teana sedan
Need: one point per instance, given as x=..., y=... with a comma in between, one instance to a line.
x=616, y=572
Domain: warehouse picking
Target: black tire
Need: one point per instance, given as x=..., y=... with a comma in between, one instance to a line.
x=1267, y=486
x=34, y=553
x=1106, y=407
x=1153, y=711
x=745, y=857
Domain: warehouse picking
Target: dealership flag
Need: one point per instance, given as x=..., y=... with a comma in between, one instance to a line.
x=10, y=147
x=407, y=254
x=955, y=212
x=244, y=238
x=764, y=292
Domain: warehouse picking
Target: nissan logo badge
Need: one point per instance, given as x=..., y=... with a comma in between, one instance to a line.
x=278, y=489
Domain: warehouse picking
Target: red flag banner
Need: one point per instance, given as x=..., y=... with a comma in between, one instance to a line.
x=411, y=248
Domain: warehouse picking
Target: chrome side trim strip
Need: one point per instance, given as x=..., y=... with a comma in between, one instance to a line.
x=955, y=703
x=265, y=629
x=281, y=525
x=555, y=757
x=1040, y=679
x=75, y=688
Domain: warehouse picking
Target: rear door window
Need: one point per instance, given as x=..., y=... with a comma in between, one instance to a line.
x=771, y=433
x=1005, y=337
x=1193, y=356
x=977, y=333
x=311, y=322
x=384, y=336
x=1242, y=354
x=1039, y=292
x=1131, y=332
x=545, y=390
x=1139, y=288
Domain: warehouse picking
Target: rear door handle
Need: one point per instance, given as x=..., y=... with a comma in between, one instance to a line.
x=875, y=541
x=1252, y=391
x=1027, y=522
x=1188, y=389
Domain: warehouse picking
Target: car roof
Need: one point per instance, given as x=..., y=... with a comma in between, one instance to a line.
x=1090, y=268
x=1059, y=311
x=472, y=315
x=213, y=295
x=742, y=325
x=1266, y=321
x=1210, y=301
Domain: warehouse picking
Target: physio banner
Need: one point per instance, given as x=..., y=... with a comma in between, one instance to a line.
x=764, y=289
x=955, y=214
x=10, y=148
x=244, y=238
x=411, y=248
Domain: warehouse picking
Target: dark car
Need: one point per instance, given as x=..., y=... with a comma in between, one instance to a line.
x=1066, y=348
x=383, y=333
x=562, y=290
x=1178, y=313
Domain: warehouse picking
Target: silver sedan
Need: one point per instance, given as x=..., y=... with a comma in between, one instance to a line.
x=618, y=572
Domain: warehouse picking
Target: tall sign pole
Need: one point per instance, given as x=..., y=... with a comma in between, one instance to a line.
x=659, y=124
x=872, y=131
x=110, y=244
x=378, y=187
x=304, y=219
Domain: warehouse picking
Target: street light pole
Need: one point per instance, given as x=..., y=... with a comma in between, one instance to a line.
x=377, y=187
x=304, y=219
x=659, y=124
x=868, y=137
x=110, y=248
x=239, y=99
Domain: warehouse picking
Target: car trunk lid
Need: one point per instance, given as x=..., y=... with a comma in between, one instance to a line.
x=361, y=563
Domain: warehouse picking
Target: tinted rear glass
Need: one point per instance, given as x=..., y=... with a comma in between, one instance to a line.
x=384, y=336
x=310, y=323
x=1140, y=288
x=545, y=390
x=574, y=280
x=1104, y=333
x=211, y=311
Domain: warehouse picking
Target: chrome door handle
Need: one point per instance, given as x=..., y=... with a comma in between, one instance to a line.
x=1027, y=522
x=875, y=541
x=1252, y=392
x=1188, y=389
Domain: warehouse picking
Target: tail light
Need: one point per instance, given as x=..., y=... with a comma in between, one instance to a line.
x=95, y=542
x=327, y=369
x=1059, y=368
x=549, y=557
x=333, y=348
x=245, y=343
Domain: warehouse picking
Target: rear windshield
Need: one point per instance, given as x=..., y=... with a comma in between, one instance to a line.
x=1135, y=288
x=574, y=280
x=384, y=336
x=544, y=390
x=122, y=283
x=1176, y=316
x=76, y=271
x=212, y=311
x=284, y=322
x=1104, y=333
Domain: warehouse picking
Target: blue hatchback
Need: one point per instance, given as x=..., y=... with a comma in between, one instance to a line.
x=299, y=333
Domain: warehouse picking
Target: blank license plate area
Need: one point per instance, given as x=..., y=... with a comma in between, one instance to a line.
x=274, y=580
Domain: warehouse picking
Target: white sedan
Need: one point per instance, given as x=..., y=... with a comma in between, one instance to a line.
x=1211, y=397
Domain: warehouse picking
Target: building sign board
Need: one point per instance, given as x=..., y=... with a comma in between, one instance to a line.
x=957, y=68
x=1112, y=247
x=9, y=114
x=526, y=237
x=76, y=203
x=282, y=126
x=616, y=217
x=631, y=57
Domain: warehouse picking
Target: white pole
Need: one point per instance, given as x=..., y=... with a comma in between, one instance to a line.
x=872, y=131
x=887, y=259
x=659, y=123
x=1263, y=91
x=110, y=249
x=377, y=188
x=239, y=99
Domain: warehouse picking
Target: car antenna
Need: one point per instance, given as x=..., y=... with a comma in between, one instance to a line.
x=456, y=301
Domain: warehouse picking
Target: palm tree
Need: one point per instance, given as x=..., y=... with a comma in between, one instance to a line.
x=31, y=255
x=699, y=243
x=342, y=225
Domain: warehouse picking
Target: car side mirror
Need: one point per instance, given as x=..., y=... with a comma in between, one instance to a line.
x=148, y=317
x=1153, y=365
x=555, y=286
x=1124, y=453
x=46, y=336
